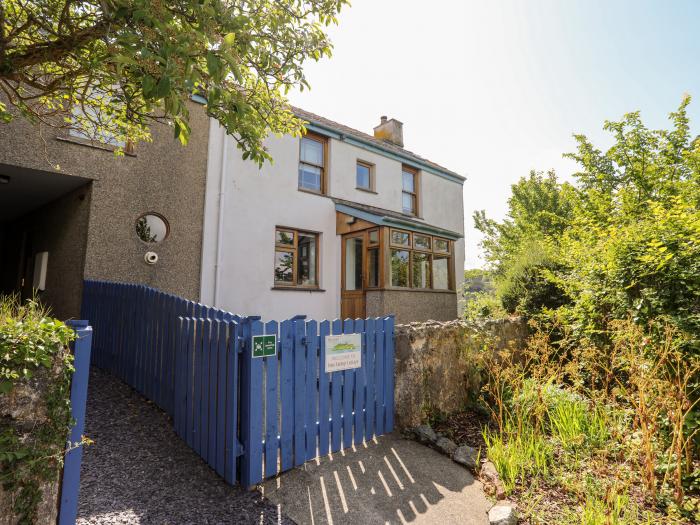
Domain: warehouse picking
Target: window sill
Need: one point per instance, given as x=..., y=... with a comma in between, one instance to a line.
x=94, y=145
x=296, y=289
x=312, y=192
x=366, y=190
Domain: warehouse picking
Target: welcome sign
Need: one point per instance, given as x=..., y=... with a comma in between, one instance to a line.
x=343, y=352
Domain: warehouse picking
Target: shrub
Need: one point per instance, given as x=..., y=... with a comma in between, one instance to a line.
x=34, y=359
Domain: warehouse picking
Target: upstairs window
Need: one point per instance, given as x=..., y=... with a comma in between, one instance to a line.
x=409, y=191
x=296, y=258
x=312, y=163
x=364, y=176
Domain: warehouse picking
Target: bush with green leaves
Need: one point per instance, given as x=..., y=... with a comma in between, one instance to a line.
x=34, y=357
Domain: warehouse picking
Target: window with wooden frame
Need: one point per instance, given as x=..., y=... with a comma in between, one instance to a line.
x=364, y=176
x=409, y=191
x=296, y=258
x=420, y=261
x=312, y=163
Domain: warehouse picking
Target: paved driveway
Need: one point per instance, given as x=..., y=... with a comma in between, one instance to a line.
x=390, y=480
x=139, y=471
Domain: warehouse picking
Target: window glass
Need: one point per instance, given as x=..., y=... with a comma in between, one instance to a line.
x=353, y=263
x=296, y=260
x=151, y=227
x=399, y=238
x=284, y=267
x=306, y=253
x=441, y=245
x=284, y=237
x=311, y=151
x=373, y=267
x=309, y=177
x=374, y=237
x=399, y=268
x=421, y=242
x=421, y=270
x=441, y=269
x=363, y=176
x=407, y=203
x=408, y=181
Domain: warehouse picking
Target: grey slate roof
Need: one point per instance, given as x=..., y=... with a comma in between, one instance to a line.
x=382, y=144
x=386, y=217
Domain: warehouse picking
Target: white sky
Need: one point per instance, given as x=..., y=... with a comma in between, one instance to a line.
x=492, y=89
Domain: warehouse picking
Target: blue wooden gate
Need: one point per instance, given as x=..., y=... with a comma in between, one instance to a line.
x=248, y=418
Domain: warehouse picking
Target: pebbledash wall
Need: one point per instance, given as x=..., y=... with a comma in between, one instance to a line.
x=242, y=212
x=90, y=232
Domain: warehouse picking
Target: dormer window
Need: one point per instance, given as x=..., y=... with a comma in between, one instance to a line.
x=312, y=163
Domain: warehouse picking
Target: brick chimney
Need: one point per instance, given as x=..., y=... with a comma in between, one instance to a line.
x=390, y=131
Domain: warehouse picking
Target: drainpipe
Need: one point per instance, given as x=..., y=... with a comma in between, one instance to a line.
x=220, y=227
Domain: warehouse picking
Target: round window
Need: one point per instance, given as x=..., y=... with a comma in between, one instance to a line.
x=151, y=227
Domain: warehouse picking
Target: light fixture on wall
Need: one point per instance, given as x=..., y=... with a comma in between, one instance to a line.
x=4, y=179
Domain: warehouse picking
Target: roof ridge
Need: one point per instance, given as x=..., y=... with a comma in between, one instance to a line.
x=342, y=128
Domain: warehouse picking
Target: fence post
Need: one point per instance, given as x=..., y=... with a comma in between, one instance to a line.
x=251, y=404
x=78, y=399
x=389, y=373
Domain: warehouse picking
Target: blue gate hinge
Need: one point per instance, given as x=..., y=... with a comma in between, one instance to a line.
x=240, y=449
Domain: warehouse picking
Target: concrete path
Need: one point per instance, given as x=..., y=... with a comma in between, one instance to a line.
x=390, y=480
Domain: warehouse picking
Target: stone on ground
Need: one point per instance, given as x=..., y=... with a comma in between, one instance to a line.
x=467, y=456
x=503, y=514
x=424, y=434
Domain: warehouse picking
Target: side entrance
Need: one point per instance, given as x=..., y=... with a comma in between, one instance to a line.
x=360, y=271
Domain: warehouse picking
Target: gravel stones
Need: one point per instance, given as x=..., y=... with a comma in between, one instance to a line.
x=139, y=471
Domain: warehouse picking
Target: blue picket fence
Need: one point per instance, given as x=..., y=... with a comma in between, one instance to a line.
x=248, y=418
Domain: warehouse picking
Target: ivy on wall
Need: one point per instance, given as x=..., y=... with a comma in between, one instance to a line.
x=35, y=375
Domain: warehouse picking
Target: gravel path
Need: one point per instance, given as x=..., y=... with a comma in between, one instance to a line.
x=139, y=471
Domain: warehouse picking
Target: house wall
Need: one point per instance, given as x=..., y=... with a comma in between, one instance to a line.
x=162, y=176
x=239, y=277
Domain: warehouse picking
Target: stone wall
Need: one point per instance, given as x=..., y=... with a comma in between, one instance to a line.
x=412, y=305
x=436, y=368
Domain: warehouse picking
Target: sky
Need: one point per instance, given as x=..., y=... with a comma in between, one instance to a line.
x=495, y=88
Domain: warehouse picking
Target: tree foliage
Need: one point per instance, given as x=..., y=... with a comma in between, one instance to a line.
x=127, y=63
x=622, y=242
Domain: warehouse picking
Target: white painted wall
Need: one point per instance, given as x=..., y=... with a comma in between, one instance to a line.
x=256, y=200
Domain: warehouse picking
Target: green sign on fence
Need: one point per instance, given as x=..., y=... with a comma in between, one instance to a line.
x=264, y=345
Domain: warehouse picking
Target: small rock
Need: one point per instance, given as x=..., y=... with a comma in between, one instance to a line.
x=503, y=514
x=425, y=434
x=446, y=446
x=466, y=456
x=492, y=483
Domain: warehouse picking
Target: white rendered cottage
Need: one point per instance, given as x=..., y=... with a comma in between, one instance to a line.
x=342, y=224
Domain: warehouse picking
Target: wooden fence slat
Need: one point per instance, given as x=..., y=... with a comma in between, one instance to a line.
x=311, y=388
x=231, y=449
x=323, y=391
x=379, y=379
x=287, y=392
x=370, y=340
x=221, y=344
x=348, y=389
x=204, y=428
x=252, y=408
x=299, y=393
x=271, y=400
x=197, y=393
x=360, y=384
x=389, y=374
x=212, y=399
x=336, y=397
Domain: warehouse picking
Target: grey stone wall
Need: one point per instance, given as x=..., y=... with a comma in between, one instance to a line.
x=436, y=368
x=162, y=176
x=412, y=305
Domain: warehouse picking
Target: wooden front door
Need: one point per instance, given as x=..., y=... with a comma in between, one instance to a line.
x=352, y=295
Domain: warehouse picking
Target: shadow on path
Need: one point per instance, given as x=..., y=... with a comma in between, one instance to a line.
x=139, y=471
x=389, y=480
